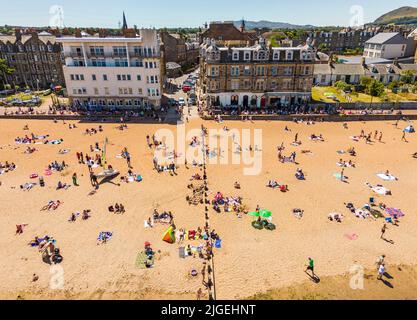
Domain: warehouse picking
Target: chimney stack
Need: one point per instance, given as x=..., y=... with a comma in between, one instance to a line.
x=18, y=34
x=102, y=33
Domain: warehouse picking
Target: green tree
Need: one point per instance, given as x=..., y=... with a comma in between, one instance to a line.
x=366, y=81
x=393, y=85
x=408, y=76
x=5, y=70
x=375, y=88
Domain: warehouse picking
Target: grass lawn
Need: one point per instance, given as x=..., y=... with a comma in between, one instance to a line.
x=319, y=95
x=20, y=96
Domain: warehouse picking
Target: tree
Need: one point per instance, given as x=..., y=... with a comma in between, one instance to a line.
x=5, y=71
x=365, y=81
x=375, y=88
x=394, y=85
x=408, y=76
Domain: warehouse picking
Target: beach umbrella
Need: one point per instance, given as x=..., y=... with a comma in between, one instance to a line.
x=265, y=214
x=253, y=214
x=395, y=212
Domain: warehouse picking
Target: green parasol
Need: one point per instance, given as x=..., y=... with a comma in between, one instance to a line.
x=253, y=214
x=265, y=214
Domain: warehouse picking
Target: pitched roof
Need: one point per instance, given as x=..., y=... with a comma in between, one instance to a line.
x=387, y=38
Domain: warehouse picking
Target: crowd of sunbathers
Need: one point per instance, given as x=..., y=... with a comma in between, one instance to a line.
x=55, y=166
x=230, y=204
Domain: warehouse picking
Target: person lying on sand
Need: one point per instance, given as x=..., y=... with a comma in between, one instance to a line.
x=336, y=217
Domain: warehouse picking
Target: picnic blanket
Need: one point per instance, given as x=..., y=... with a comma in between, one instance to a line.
x=141, y=260
x=379, y=189
x=395, y=212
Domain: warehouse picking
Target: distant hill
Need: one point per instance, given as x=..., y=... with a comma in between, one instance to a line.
x=403, y=15
x=271, y=25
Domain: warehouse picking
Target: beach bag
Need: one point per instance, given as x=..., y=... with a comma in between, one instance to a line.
x=139, y=178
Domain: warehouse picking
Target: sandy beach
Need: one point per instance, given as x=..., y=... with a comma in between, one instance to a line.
x=250, y=261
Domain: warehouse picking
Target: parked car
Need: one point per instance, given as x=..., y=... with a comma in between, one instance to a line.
x=192, y=101
x=181, y=102
x=186, y=88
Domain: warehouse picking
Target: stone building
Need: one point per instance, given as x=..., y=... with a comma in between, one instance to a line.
x=178, y=50
x=36, y=59
x=226, y=34
x=255, y=76
x=340, y=41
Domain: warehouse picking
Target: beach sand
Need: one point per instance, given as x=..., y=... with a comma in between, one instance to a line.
x=250, y=261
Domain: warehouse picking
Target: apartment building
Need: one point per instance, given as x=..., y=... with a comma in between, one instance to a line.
x=35, y=58
x=255, y=76
x=123, y=72
x=389, y=45
x=339, y=41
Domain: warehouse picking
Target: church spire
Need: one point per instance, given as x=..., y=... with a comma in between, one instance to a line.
x=124, y=22
x=243, y=25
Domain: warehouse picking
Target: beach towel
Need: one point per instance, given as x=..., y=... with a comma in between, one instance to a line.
x=341, y=152
x=395, y=212
x=339, y=176
x=379, y=189
x=352, y=236
x=385, y=177
x=181, y=252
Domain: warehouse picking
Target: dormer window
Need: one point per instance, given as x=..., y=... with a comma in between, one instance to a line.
x=235, y=56
x=247, y=55
x=289, y=55
x=262, y=55
x=276, y=55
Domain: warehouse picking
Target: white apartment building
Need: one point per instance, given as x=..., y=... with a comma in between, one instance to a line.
x=388, y=46
x=114, y=72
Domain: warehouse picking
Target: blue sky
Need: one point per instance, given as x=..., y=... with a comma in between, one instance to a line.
x=174, y=13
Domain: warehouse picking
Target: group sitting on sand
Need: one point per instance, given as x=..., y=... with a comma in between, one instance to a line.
x=55, y=166
x=230, y=204
x=7, y=167
x=117, y=208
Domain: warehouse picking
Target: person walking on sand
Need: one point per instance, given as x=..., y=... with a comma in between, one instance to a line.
x=381, y=271
x=380, y=137
x=74, y=179
x=199, y=294
x=310, y=267
x=380, y=261
x=383, y=230
x=404, y=138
